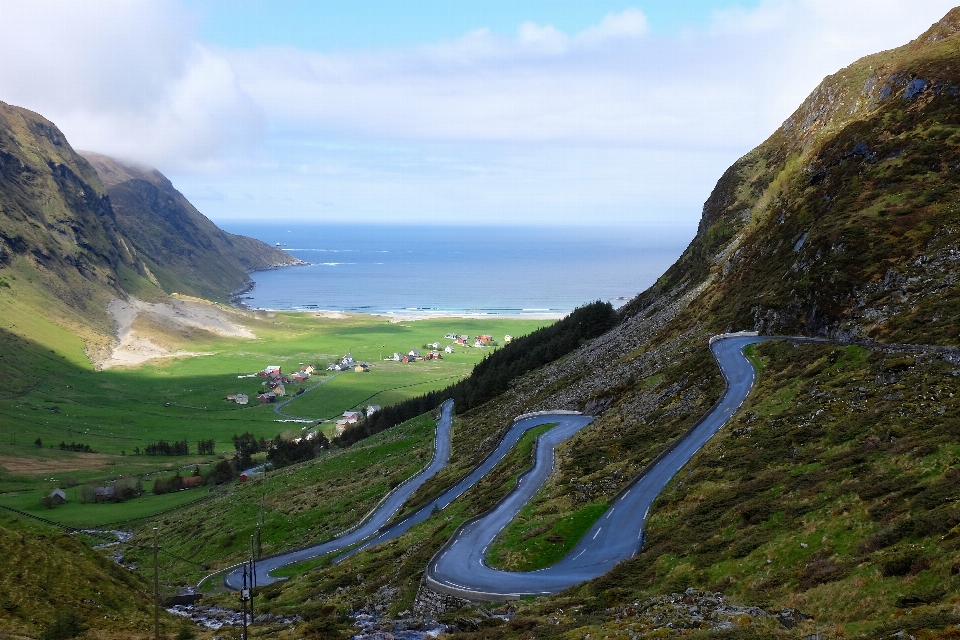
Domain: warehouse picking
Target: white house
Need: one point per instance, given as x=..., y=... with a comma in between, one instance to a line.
x=507, y=339
x=241, y=398
x=449, y=349
x=372, y=409
x=351, y=416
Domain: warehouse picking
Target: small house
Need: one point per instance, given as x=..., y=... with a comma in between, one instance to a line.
x=478, y=344
x=449, y=349
x=104, y=494
x=351, y=416
x=346, y=361
x=362, y=367
x=341, y=427
x=241, y=398
x=372, y=409
x=273, y=369
x=57, y=496
x=414, y=352
x=507, y=339
x=267, y=397
x=396, y=357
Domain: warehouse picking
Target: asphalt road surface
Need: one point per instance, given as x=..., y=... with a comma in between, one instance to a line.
x=567, y=425
x=459, y=568
x=370, y=526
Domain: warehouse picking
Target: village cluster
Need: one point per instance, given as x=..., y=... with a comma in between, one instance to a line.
x=432, y=351
x=276, y=379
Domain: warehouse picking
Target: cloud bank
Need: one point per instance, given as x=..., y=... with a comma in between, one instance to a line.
x=615, y=123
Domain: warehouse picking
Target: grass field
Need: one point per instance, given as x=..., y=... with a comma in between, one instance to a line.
x=119, y=410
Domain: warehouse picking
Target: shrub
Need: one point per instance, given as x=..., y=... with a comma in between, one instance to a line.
x=67, y=625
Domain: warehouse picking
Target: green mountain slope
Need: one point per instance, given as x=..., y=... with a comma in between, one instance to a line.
x=69, y=244
x=183, y=250
x=843, y=222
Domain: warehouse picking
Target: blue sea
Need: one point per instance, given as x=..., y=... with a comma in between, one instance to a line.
x=451, y=270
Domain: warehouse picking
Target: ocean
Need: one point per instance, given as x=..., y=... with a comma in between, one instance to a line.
x=456, y=270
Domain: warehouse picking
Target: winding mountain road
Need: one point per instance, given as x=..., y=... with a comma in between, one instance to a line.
x=368, y=526
x=460, y=569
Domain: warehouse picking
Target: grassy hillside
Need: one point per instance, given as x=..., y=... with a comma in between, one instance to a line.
x=54, y=586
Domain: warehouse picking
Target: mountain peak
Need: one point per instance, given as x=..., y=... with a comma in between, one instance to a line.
x=946, y=27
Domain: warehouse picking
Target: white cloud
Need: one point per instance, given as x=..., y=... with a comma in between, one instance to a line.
x=127, y=78
x=505, y=123
x=631, y=23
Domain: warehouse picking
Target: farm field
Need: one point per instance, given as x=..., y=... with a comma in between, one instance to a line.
x=119, y=411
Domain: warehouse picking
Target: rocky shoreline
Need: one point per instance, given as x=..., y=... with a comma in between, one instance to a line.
x=236, y=297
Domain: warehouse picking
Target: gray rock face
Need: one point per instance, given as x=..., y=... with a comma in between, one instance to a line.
x=695, y=609
x=430, y=603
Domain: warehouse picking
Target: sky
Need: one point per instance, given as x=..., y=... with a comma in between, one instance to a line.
x=466, y=112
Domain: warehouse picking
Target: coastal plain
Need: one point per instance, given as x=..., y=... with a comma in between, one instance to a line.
x=121, y=409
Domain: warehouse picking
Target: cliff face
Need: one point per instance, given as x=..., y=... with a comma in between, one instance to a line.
x=55, y=213
x=72, y=240
x=844, y=221
x=184, y=250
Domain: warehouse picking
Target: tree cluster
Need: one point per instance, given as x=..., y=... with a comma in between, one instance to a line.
x=246, y=445
x=205, y=447
x=493, y=375
x=286, y=452
x=164, y=448
x=168, y=484
x=123, y=489
x=75, y=446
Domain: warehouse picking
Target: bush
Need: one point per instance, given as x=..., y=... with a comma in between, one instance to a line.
x=67, y=625
x=168, y=484
x=225, y=471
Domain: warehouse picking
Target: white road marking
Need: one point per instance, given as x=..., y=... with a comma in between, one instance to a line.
x=597, y=533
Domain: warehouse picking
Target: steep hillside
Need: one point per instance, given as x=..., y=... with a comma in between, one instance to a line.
x=843, y=223
x=66, y=250
x=55, y=216
x=53, y=585
x=182, y=249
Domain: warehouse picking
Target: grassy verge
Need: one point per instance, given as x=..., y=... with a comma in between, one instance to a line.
x=829, y=494
x=294, y=507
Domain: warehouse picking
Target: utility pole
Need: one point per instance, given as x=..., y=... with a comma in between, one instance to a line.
x=253, y=577
x=156, y=589
x=244, y=594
